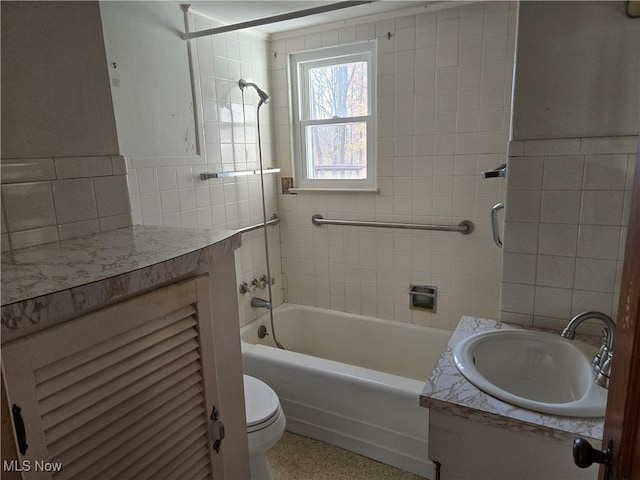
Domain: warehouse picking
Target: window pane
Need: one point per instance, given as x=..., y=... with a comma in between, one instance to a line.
x=338, y=91
x=337, y=151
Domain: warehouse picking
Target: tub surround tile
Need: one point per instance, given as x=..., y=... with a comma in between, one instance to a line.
x=448, y=391
x=66, y=277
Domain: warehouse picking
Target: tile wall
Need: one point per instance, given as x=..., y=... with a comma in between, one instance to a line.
x=50, y=199
x=444, y=87
x=168, y=190
x=566, y=215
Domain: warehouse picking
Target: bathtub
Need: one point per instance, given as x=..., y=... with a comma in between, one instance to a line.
x=350, y=380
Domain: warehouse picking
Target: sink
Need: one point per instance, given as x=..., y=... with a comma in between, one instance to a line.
x=535, y=370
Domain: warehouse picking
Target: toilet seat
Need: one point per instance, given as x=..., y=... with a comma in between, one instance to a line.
x=261, y=403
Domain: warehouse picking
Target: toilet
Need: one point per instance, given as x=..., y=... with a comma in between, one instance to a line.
x=265, y=424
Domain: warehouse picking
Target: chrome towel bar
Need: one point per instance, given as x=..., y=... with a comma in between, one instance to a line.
x=239, y=173
x=465, y=227
x=274, y=220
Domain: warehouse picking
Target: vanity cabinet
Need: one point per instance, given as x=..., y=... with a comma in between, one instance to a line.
x=124, y=392
x=122, y=353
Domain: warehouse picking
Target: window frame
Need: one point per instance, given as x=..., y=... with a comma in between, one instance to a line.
x=299, y=64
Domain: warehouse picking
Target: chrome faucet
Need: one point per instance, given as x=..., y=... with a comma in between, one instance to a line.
x=602, y=360
x=257, y=302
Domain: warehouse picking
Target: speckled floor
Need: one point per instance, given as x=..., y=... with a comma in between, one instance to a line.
x=301, y=458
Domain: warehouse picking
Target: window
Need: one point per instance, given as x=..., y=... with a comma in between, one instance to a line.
x=333, y=113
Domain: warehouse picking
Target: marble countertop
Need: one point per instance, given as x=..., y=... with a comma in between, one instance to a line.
x=57, y=279
x=448, y=391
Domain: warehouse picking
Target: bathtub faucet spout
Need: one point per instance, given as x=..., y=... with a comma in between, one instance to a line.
x=260, y=303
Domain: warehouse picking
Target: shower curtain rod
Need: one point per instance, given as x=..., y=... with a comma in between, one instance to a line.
x=273, y=19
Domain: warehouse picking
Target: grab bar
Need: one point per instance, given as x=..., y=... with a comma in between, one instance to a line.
x=273, y=220
x=494, y=223
x=465, y=227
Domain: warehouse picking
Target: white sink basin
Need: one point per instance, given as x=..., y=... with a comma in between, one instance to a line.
x=535, y=370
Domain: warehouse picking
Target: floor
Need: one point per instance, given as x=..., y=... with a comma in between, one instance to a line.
x=301, y=458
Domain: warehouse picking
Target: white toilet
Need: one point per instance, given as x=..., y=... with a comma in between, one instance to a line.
x=265, y=424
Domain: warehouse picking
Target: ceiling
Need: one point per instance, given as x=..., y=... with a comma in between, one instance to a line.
x=241, y=11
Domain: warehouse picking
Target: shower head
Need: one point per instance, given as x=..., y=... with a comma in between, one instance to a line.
x=264, y=98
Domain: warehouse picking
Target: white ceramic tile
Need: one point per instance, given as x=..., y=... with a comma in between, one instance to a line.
x=609, y=145
x=492, y=96
x=519, y=268
x=596, y=241
x=520, y=237
x=425, y=58
x=523, y=205
x=469, y=74
x=118, y=165
x=517, y=298
x=365, y=31
x=27, y=170
x=585, y=301
x=448, y=31
x=602, y=207
x=78, y=229
x=405, y=61
x=496, y=23
x=150, y=204
x=563, y=172
x=28, y=206
x=495, y=48
x=605, y=172
x=425, y=35
x=469, y=52
x=570, y=146
x=148, y=180
x=37, y=236
x=167, y=179
x=77, y=167
x=74, y=200
x=471, y=27
x=111, y=195
x=447, y=55
x=559, y=206
x=406, y=39
x=595, y=275
x=524, y=173
x=552, y=302
x=169, y=202
x=558, y=239
x=555, y=271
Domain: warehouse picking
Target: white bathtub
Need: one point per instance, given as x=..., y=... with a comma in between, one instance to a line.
x=350, y=380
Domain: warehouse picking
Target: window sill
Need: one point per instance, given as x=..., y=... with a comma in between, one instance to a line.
x=333, y=190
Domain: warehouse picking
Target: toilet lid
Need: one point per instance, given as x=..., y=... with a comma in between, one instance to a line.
x=261, y=402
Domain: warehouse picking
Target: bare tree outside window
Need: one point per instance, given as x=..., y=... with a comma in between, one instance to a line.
x=338, y=148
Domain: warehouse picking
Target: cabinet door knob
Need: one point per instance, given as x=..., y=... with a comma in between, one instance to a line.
x=584, y=455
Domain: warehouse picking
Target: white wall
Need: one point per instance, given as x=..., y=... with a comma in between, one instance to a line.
x=163, y=165
x=150, y=81
x=578, y=70
x=55, y=93
x=444, y=84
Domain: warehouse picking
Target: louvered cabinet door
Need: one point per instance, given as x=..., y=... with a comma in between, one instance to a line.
x=122, y=393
